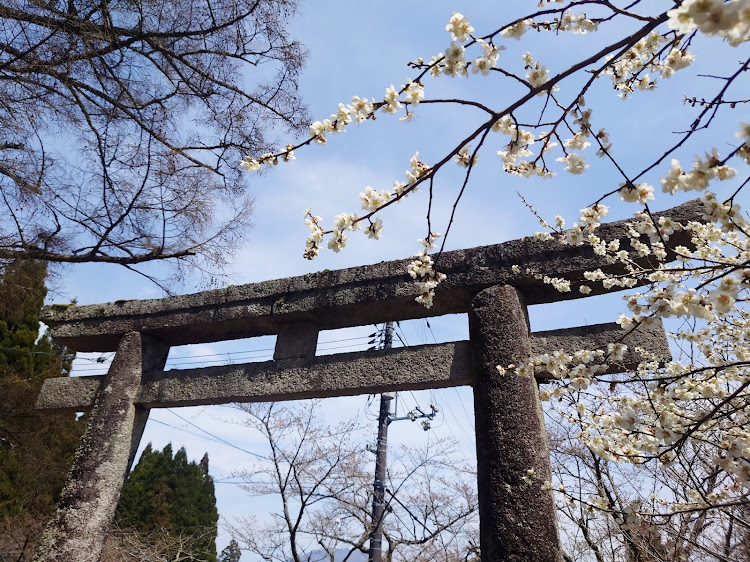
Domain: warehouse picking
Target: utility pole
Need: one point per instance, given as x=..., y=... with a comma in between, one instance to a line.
x=384, y=420
x=378, y=498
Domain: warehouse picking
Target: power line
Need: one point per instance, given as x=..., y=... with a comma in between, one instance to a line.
x=260, y=350
x=68, y=356
x=461, y=401
x=63, y=356
x=216, y=437
x=186, y=431
x=450, y=410
x=220, y=356
x=402, y=336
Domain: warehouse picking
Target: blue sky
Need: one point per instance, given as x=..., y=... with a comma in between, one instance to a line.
x=360, y=49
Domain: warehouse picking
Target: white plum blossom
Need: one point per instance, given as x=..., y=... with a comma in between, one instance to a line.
x=319, y=129
x=488, y=60
x=517, y=30
x=744, y=132
x=375, y=229
x=416, y=170
x=312, y=246
x=361, y=108
x=573, y=237
x=391, y=103
x=577, y=23
x=574, y=163
x=372, y=199
x=603, y=139
x=399, y=188
x=537, y=73
x=578, y=142
x=591, y=217
x=730, y=20
x=343, y=115
x=422, y=269
x=455, y=63
x=674, y=180
x=288, y=156
x=676, y=60
x=560, y=284
x=640, y=193
x=464, y=158
x=250, y=164
x=414, y=93
x=504, y=125
x=459, y=27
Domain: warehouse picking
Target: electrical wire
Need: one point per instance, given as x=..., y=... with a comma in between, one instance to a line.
x=66, y=356
x=3, y=348
x=216, y=437
x=170, y=363
x=186, y=431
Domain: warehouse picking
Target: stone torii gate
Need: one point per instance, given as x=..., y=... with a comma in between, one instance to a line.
x=517, y=521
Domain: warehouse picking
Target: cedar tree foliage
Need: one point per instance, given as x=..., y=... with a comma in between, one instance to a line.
x=168, y=493
x=36, y=449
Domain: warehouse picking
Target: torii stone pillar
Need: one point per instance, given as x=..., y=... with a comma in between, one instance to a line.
x=84, y=514
x=517, y=521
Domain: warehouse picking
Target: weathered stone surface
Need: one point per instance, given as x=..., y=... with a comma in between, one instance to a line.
x=75, y=394
x=139, y=426
x=296, y=340
x=517, y=521
x=429, y=366
x=652, y=339
x=336, y=299
x=346, y=374
x=84, y=514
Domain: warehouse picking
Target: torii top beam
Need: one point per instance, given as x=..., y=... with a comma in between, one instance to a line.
x=343, y=298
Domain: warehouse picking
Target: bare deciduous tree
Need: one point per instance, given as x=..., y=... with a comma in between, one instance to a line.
x=323, y=478
x=160, y=545
x=124, y=121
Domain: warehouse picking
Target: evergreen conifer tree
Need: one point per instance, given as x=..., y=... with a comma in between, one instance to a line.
x=231, y=553
x=36, y=448
x=169, y=493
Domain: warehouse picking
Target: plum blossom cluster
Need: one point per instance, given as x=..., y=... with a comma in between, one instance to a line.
x=372, y=201
x=568, y=21
x=667, y=408
x=252, y=165
x=730, y=20
x=576, y=23
x=516, y=154
x=312, y=246
x=422, y=269
x=574, y=162
x=459, y=27
x=536, y=73
x=674, y=405
x=672, y=410
x=453, y=62
x=698, y=177
x=576, y=371
x=632, y=70
x=706, y=400
x=466, y=158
